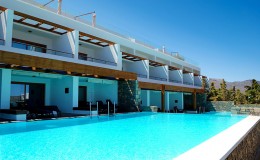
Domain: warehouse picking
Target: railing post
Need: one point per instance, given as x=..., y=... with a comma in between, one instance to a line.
x=114, y=108
x=90, y=109
x=108, y=108
x=97, y=108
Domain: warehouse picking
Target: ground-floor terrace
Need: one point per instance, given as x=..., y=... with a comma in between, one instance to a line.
x=33, y=86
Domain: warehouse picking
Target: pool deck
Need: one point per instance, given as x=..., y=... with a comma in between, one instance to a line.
x=221, y=145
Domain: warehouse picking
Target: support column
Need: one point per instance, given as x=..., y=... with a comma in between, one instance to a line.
x=167, y=101
x=148, y=98
x=182, y=100
x=146, y=62
x=194, y=100
x=74, y=42
x=7, y=22
x=163, y=98
x=119, y=56
x=5, y=88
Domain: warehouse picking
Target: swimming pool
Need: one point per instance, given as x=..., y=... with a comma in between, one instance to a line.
x=132, y=136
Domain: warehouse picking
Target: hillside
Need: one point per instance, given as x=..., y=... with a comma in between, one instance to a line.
x=238, y=84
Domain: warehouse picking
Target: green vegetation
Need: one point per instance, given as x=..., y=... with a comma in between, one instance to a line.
x=251, y=96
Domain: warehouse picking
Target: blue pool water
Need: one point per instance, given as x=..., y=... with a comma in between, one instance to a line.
x=133, y=136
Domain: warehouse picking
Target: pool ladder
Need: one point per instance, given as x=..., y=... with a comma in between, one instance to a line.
x=108, y=110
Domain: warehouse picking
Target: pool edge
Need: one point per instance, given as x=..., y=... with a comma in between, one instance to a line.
x=223, y=144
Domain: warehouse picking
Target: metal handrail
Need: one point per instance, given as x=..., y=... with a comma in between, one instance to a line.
x=175, y=81
x=44, y=50
x=199, y=85
x=188, y=83
x=2, y=42
x=91, y=59
x=141, y=75
x=158, y=78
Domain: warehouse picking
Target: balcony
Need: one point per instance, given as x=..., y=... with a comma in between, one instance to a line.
x=158, y=78
x=85, y=57
x=141, y=76
x=175, y=81
x=188, y=83
x=198, y=85
x=2, y=42
x=30, y=46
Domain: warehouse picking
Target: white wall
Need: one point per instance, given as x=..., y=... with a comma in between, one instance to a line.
x=7, y=26
x=65, y=101
x=102, y=53
x=5, y=88
x=32, y=37
x=46, y=81
x=62, y=43
x=175, y=75
x=158, y=72
x=1, y=26
x=138, y=67
x=155, y=98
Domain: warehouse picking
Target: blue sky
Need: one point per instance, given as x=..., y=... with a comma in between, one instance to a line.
x=223, y=36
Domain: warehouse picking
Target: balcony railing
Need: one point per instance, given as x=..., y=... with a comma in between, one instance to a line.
x=175, y=81
x=198, y=85
x=141, y=75
x=90, y=59
x=158, y=78
x=30, y=47
x=2, y=42
x=188, y=83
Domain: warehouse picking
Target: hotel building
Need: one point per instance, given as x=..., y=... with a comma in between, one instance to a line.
x=49, y=58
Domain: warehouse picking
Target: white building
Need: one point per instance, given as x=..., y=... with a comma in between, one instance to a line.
x=48, y=58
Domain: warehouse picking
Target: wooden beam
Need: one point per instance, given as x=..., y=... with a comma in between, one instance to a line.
x=131, y=55
x=38, y=27
x=185, y=71
x=173, y=68
x=43, y=21
x=155, y=64
x=97, y=38
x=38, y=24
x=22, y=19
x=150, y=86
x=45, y=63
x=3, y=8
x=89, y=41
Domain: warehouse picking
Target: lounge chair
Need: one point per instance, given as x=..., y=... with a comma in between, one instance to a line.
x=53, y=108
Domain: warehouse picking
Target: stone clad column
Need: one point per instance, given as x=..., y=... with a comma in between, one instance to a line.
x=194, y=100
x=163, y=98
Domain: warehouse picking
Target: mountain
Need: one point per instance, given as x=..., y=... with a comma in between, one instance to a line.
x=238, y=84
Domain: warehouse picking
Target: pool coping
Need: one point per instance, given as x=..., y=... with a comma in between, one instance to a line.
x=221, y=145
